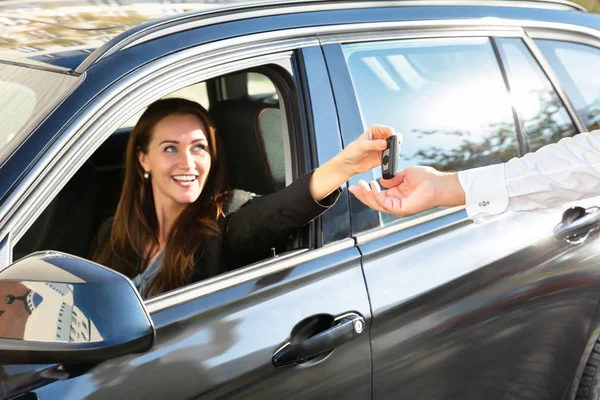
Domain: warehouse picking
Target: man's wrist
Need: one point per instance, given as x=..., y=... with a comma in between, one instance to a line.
x=450, y=191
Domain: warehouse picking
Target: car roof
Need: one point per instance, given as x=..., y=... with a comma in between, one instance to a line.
x=70, y=35
x=46, y=33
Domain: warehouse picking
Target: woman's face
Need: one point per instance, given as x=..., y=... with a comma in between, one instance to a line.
x=178, y=160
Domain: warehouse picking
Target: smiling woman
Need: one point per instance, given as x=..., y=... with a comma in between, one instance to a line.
x=175, y=224
x=173, y=141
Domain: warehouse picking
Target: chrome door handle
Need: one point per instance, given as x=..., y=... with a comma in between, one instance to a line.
x=577, y=224
x=344, y=329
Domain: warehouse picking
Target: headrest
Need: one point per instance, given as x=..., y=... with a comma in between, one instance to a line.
x=253, y=144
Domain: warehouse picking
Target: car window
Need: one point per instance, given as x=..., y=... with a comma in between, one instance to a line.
x=260, y=85
x=27, y=95
x=251, y=85
x=577, y=66
x=446, y=96
x=545, y=119
x=92, y=194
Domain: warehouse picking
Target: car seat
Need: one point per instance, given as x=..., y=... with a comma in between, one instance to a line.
x=253, y=142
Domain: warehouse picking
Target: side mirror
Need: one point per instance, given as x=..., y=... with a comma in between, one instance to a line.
x=58, y=308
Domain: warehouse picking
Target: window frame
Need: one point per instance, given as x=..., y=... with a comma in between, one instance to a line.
x=151, y=82
x=349, y=111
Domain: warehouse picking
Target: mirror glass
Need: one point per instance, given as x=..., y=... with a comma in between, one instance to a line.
x=56, y=297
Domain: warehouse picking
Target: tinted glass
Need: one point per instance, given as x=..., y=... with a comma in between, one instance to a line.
x=577, y=67
x=446, y=96
x=260, y=86
x=27, y=95
x=545, y=119
x=197, y=93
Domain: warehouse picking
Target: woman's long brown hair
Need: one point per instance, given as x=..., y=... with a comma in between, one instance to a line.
x=135, y=226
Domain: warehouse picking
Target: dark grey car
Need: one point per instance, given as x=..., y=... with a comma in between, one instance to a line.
x=359, y=305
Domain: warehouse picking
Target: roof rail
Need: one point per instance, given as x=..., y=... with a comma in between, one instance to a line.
x=155, y=29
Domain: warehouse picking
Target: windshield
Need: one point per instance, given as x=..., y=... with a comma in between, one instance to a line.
x=27, y=95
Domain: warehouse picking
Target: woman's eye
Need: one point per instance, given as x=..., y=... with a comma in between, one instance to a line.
x=200, y=147
x=170, y=149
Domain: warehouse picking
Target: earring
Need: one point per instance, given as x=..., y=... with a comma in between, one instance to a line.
x=146, y=175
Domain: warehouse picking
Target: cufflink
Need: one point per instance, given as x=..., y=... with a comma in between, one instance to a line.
x=483, y=203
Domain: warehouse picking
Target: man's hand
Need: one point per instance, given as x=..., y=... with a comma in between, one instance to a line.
x=412, y=191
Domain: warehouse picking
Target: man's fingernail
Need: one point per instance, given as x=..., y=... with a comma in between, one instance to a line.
x=382, y=144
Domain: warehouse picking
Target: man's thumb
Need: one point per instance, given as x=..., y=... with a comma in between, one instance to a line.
x=395, y=181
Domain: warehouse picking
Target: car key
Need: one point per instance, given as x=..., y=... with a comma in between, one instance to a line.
x=390, y=157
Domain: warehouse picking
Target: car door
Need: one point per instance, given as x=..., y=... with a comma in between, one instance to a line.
x=293, y=326
x=461, y=310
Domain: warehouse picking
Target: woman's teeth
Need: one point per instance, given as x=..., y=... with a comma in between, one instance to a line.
x=184, y=178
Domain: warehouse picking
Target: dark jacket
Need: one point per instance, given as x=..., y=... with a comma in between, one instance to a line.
x=252, y=226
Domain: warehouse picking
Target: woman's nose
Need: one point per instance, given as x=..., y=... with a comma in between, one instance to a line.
x=186, y=160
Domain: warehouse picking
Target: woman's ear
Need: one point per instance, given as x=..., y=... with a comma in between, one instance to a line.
x=142, y=159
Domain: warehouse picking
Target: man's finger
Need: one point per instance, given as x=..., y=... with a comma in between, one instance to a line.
x=395, y=181
x=365, y=197
x=375, y=187
x=400, y=137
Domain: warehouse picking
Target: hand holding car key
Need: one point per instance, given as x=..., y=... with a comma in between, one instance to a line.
x=390, y=157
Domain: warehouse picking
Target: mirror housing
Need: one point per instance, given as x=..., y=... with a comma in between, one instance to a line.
x=58, y=308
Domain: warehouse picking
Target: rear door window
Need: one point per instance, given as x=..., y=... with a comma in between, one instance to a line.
x=543, y=116
x=577, y=67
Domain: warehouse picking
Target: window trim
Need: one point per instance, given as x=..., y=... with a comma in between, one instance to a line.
x=518, y=118
x=241, y=275
x=115, y=106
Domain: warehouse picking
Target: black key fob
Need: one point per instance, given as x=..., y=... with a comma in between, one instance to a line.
x=390, y=157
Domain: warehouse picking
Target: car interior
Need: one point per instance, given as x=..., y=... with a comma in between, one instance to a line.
x=246, y=109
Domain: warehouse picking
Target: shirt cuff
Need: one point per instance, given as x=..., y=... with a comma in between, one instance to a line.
x=485, y=191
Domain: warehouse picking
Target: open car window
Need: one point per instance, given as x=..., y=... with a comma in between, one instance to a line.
x=252, y=132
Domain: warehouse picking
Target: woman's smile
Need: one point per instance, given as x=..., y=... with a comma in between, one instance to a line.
x=185, y=180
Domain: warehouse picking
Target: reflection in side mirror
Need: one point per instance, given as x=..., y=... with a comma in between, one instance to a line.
x=57, y=308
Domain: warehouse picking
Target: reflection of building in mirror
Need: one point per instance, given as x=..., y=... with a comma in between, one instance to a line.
x=43, y=311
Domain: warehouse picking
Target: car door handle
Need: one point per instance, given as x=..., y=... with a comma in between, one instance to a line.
x=577, y=224
x=344, y=328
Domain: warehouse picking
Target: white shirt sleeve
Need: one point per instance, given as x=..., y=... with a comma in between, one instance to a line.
x=555, y=174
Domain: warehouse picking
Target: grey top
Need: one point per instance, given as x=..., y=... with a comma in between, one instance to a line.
x=142, y=280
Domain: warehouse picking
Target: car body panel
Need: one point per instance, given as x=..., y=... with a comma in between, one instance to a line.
x=459, y=310
x=221, y=344
x=496, y=321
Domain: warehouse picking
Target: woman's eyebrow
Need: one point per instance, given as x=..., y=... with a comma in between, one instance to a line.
x=177, y=142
